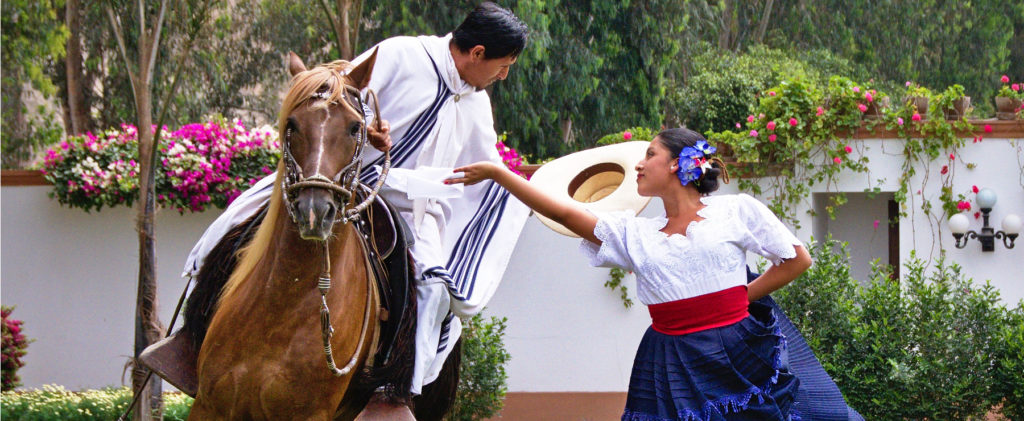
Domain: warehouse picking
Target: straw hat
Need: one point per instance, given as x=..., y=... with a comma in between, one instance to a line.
x=601, y=179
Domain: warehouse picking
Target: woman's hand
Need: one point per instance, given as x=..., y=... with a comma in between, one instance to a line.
x=475, y=173
x=380, y=139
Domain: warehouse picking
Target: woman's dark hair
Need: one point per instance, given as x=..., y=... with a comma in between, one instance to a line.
x=677, y=139
x=500, y=32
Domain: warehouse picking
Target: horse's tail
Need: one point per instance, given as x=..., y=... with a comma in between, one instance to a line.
x=212, y=277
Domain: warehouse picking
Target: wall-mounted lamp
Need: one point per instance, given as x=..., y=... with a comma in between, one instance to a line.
x=1011, y=225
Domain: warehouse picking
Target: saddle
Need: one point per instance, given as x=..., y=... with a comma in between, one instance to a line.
x=388, y=239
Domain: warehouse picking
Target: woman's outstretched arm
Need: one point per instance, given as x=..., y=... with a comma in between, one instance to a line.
x=574, y=218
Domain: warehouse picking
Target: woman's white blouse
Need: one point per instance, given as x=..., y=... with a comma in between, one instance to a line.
x=711, y=256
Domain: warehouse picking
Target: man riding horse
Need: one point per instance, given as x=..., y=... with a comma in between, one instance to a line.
x=431, y=91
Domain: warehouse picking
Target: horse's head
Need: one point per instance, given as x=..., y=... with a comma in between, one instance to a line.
x=321, y=122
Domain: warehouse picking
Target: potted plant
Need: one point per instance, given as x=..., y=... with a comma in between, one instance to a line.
x=1009, y=100
x=953, y=103
x=875, y=105
x=917, y=97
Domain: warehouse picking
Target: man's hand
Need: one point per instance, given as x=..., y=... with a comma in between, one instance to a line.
x=380, y=139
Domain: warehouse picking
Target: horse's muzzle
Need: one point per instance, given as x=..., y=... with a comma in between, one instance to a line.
x=315, y=213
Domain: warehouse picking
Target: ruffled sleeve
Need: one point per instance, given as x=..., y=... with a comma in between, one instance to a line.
x=613, y=231
x=766, y=235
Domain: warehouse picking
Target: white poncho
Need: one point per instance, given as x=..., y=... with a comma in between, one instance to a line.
x=463, y=241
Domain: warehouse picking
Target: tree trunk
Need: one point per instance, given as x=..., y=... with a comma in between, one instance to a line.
x=567, y=136
x=148, y=328
x=342, y=28
x=726, y=35
x=79, y=113
x=763, y=27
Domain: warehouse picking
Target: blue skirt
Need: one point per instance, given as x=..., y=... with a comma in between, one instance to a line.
x=734, y=372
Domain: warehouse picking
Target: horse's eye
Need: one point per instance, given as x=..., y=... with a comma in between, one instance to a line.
x=356, y=128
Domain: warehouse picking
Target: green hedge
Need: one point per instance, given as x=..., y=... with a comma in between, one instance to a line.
x=934, y=346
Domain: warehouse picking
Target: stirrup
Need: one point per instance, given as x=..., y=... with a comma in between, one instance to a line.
x=174, y=360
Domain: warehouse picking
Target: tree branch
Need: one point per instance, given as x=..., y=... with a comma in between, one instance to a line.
x=116, y=25
x=764, y=22
x=157, y=30
x=330, y=22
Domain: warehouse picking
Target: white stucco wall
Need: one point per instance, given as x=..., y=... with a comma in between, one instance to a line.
x=73, y=276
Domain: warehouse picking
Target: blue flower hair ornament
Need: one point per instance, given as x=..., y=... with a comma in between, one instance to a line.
x=693, y=161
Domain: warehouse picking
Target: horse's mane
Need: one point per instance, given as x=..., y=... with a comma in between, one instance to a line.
x=303, y=86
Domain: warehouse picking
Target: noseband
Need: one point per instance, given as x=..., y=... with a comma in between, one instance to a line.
x=347, y=180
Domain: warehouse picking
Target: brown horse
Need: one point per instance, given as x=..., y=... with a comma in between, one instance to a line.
x=263, y=356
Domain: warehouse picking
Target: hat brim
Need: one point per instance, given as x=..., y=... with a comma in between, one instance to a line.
x=601, y=179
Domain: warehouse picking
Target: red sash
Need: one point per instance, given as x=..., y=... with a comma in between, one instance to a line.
x=702, y=312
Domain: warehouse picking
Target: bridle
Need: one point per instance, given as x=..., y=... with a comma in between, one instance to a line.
x=347, y=180
x=343, y=187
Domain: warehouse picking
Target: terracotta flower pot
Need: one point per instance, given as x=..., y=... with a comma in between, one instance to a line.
x=1006, y=108
x=919, y=102
x=874, y=111
x=960, y=108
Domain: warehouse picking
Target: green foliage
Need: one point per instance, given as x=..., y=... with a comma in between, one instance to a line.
x=32, y=39
x=631, y=134
x=724, y=87
x=40, y=132
x=937, y=346
x=52, y=403
x=482, y=378
x=33, y=35
x=1009, y=367
x=615, y=283
x=933, y=42
x=797, y=129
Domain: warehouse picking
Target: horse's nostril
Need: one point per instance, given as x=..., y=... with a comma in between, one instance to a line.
x=331, y=210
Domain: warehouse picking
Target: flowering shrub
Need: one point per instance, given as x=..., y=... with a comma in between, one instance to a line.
x=200, y=165
x=14, y=344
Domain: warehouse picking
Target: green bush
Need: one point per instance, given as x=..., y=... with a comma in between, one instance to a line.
x=935, y=346
x=1010, y=365
x=482, y=379
x=55, y=403
x=723, y=87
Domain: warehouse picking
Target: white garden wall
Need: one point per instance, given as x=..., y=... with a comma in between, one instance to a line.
x=72, y=276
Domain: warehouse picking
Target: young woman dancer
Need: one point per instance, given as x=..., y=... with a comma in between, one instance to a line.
x=712, y=352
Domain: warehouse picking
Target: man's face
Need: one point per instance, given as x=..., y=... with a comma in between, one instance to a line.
x=481, y=72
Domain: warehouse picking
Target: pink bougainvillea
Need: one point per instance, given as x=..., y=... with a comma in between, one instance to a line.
x=14, y=345
x=200, y=165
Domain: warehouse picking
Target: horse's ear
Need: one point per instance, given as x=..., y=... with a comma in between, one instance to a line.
x=295, y=64
x=360, y=75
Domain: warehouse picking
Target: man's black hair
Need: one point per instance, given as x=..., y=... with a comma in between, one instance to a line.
x=500, y=32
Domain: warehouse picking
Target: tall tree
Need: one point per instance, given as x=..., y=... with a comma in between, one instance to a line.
x=140, y=66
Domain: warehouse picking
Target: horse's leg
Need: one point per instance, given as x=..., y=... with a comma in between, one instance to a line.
x=439, y=396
